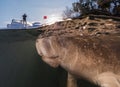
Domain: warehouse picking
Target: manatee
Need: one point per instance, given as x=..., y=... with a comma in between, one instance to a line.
x=96, y=59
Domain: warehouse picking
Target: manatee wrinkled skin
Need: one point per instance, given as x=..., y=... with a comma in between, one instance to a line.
x=96, y=59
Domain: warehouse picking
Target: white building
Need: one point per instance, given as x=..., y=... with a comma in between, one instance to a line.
x=36, y=24
x=18, y=24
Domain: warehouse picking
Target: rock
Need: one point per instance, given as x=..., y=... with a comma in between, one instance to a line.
x=88, y=26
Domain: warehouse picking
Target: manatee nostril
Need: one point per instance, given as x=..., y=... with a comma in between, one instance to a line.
x=54, y=57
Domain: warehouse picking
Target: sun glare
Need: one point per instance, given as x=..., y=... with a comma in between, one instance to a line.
x=53, y=18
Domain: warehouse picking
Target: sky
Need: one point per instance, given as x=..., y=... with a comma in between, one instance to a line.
x=35, y=9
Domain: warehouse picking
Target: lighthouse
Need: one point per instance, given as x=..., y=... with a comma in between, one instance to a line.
x=24, y=16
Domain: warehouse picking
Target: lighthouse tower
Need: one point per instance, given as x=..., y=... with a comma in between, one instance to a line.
x=24, y=16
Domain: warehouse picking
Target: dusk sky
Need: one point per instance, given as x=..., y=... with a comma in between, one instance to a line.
x=35, y=9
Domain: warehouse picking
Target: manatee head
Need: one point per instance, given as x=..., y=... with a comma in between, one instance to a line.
x=48, y=49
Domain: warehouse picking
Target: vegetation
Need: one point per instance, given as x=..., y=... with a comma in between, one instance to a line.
x=97, y=7
x=67, y=12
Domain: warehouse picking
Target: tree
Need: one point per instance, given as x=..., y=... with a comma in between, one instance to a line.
x=97, y=7
x=84, y=6
x=116, y=9
x=80, y=7
x=67, y=13
x=104, y=5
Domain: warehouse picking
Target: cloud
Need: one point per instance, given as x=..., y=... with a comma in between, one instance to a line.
x=6, y=22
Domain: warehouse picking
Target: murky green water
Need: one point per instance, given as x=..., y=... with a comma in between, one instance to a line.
x=20, y=65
